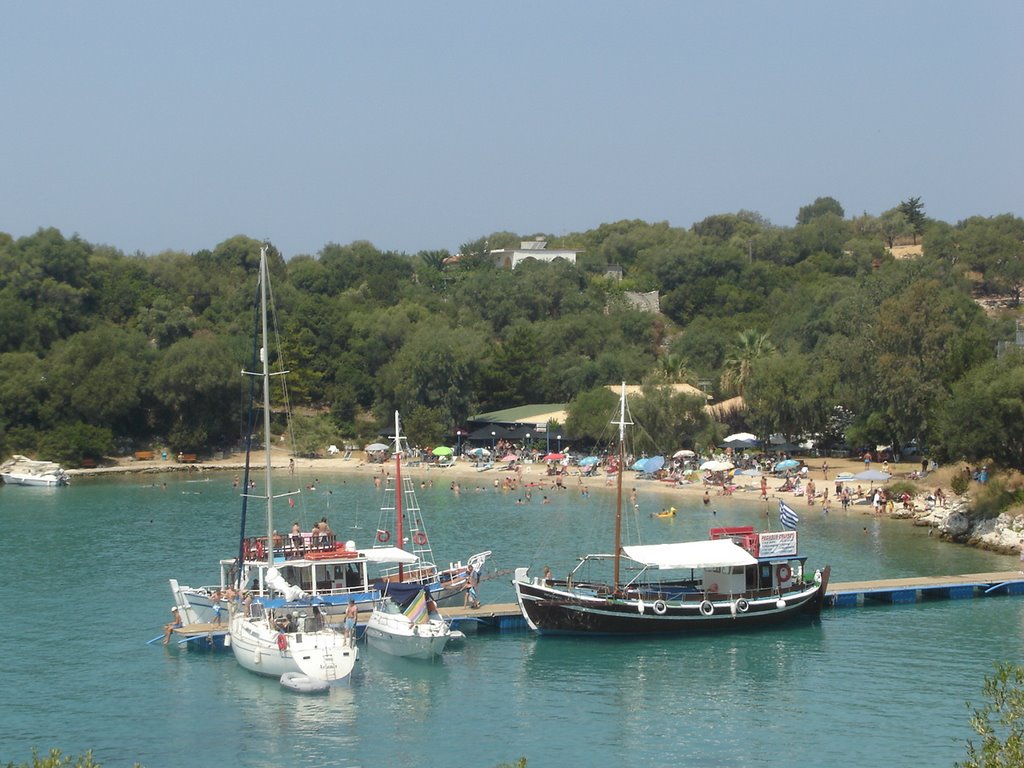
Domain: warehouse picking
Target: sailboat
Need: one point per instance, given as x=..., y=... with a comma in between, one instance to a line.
x=737, y=579
x=418, y=631
x=400, y=515
x=284, y=633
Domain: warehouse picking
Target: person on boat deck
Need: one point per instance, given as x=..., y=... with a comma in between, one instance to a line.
x=170, y=627
x=471, y=600
x=548, y=578
x=296, y=535
x=351, y=614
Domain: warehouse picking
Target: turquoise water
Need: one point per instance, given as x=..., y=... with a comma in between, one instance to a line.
x=86, y=587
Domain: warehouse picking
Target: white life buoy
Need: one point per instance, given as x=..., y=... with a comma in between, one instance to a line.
x=660, y=607
x=707, y=608
x=742, y=605
x=783, y=572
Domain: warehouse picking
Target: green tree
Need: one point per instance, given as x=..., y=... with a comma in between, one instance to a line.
x=999, y=722
x=822, y=206
x=913, y=210
x=741, y=357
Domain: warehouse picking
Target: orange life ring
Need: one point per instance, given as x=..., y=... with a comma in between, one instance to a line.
x=783, y=572
x=383, y=536
x=282, y=641
x=419, y=538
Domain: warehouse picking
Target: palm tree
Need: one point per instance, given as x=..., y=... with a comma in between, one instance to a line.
x=673, y=368
x=740, y=359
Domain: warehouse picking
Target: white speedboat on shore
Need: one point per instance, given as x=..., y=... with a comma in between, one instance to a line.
x=21, y=470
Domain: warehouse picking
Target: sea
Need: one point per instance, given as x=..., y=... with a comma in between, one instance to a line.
x=86, y=586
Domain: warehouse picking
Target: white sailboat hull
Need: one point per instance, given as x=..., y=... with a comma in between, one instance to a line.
x=321, y=655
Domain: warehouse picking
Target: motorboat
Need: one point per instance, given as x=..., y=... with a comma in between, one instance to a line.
x=21, y=470
x=413, y=631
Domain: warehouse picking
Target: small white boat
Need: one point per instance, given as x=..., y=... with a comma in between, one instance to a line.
x=21, y=470
x=414, y=632
x=300, y=683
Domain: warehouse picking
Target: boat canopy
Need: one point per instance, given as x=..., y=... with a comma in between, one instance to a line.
x=388, y=555
x=717, y=553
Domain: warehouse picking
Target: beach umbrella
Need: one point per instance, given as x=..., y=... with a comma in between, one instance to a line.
x=478, y=452
x=741, y=437
x=554, y=457
x=873, y=475
x=686, y=453
x=749, y=472
x=510, y=457
x=742, y=444
x=638, y=465
x=442, y=450
x=654, y=463
x=589, y=461
x=376, y=447
x=787, y=464
x=717, y=466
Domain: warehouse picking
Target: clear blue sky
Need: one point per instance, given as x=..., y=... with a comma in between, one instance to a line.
x=419, y=125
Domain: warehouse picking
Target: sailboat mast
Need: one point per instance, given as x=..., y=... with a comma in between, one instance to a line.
x=398, y=494
x=265, y=358
x=618, y=491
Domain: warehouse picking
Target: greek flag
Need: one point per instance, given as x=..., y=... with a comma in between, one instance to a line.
x=787, y=516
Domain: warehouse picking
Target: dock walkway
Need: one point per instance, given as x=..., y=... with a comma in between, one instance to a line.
x=505, y=617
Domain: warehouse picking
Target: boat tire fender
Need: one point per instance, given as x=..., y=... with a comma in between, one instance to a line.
x=742, y=605
x=660, y=607
x=707, y=608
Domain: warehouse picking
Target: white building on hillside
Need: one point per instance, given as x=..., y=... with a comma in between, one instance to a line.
x=510, y=258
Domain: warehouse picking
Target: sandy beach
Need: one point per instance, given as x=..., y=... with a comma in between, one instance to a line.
x=468, y=475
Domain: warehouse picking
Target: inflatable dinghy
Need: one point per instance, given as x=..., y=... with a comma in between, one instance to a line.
x=296, y=681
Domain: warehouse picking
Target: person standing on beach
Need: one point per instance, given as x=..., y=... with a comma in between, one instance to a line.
x=824, y=470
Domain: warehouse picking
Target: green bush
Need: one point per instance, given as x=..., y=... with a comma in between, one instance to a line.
x=55, y=760
x=993, y=498
x=959, y=484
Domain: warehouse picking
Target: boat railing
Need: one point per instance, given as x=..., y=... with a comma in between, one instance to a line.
x=295, y=546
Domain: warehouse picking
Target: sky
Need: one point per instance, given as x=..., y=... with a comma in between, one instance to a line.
x=419, y=126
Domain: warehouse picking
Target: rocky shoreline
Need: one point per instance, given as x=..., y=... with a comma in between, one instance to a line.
x=1003, y=534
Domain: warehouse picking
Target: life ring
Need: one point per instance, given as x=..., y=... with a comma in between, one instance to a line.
x=660, y=607
x=742, y=605
x=383, y=536
x=419, y=538
x=713, y=588
x=282, y=642
x=707, y=608
x=783, y=572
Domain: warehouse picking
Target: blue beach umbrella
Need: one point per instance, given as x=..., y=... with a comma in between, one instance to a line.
x=787, y=464
x=589, y=461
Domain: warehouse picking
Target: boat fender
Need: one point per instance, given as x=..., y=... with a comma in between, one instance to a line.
x=817, y=576
x=707, y=608
x=419, y=538
x=742, y=605
x=660, y=607
x=780, y=603
x=282, y=642
x=383, y=536
x=783, y=572
x=640, y=605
